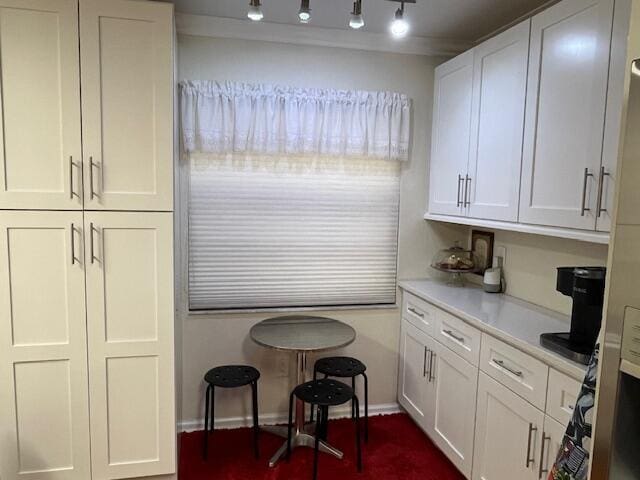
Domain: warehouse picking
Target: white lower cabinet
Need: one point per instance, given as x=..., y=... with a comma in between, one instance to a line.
x=44, y=405
x=552, y=437
x=504, y=419
x=413, y=385
x=129, y=258
x=438, y=389
x=507, y=438
x=454, y=400
x=86, y=345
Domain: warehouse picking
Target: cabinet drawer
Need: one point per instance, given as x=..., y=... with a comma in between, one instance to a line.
x=419, y=313
x=516, y=370
x=561, y=396
x=458, y=336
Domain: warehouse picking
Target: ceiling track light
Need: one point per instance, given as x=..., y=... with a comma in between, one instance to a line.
x=255, y=11
x=357, y=20
x=399, y=26
x=304, y=14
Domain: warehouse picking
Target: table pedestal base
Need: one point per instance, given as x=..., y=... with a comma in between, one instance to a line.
x=303, y=438
x=302, y=435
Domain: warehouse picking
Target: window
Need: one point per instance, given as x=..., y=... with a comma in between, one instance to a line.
x=292, y=232
x=294, y=194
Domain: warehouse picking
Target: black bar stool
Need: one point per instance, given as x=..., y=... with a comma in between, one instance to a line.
x=324, y=394
x=230, y=376
x=346, y=367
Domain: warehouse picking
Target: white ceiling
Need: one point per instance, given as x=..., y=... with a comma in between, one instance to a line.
x=466, y=20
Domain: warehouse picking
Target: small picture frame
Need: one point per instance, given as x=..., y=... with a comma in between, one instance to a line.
x=482, y=247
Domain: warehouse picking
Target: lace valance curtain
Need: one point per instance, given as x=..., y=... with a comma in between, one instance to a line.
x=241, y=118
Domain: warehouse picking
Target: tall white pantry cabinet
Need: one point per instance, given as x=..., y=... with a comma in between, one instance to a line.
x=86, y=240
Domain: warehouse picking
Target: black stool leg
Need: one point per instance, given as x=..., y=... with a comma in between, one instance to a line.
x=359, y=451
x=205, y=440
x=353, y=402
x=323, y=414
x=289, y=426
x=254, y=397
x=366, y=408
x=312, y=407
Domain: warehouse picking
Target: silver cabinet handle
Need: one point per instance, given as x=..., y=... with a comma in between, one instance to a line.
x=453, y=335
x=584, y=208
x=416, y=312
x=432, y=360
x=467, y=191
x=460, y=180
x=541, y=469
x=72, y=192
x=91, y=229
x=532, y=430
x=501, y=364
x=603, y=174
x=73, y=245
x=92, y=165
x=424, y=362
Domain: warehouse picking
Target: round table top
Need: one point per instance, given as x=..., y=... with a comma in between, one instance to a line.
x=302, y=333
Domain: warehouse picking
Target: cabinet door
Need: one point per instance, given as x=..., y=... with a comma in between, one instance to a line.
x=44, y=405
x=507, y=439
x=127, y=104
x=130, y=328
x=451, y=133
x=552, y=438
x=413, y=386
x=566, y=98
x=499, y=90
x=40, y=151
x=456, y=383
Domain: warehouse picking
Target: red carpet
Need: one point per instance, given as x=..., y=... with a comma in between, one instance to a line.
x=397, y=449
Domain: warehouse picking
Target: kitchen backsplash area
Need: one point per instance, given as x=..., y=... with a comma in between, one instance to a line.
x=531, y=262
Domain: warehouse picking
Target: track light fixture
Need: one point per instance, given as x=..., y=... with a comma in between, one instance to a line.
x=399, y=26
x=305, y=12
x=255, y=11
x=357, y=20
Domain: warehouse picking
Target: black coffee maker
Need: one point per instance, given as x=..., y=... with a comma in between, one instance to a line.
x=586, y=286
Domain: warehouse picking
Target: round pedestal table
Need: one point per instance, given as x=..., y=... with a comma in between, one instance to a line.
x=301, y=334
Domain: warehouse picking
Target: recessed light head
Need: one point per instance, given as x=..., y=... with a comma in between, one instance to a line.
x=255, y=11
x=357, y=20
x=304, y=14
x=399, y=26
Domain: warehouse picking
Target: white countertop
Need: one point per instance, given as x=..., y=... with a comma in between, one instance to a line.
x=509, y=319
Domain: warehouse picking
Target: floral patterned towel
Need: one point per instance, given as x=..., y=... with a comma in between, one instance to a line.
x=572, y=462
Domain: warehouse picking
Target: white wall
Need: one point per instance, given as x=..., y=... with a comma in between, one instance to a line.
x=531, y=263
x=209, y=340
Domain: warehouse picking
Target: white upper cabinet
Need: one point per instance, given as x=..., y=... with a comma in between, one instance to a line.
x=566, y=100
x=127, y=104
x=451, y=133
x=40, y=149
x=499, y=89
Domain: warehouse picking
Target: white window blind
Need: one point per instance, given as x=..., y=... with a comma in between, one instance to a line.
x=292, y=232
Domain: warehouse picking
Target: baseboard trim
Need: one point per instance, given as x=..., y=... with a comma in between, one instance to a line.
x=280, y=418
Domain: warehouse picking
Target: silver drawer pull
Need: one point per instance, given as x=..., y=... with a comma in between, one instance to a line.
x=453, y=335
x=416, y=312
x=501, y=364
